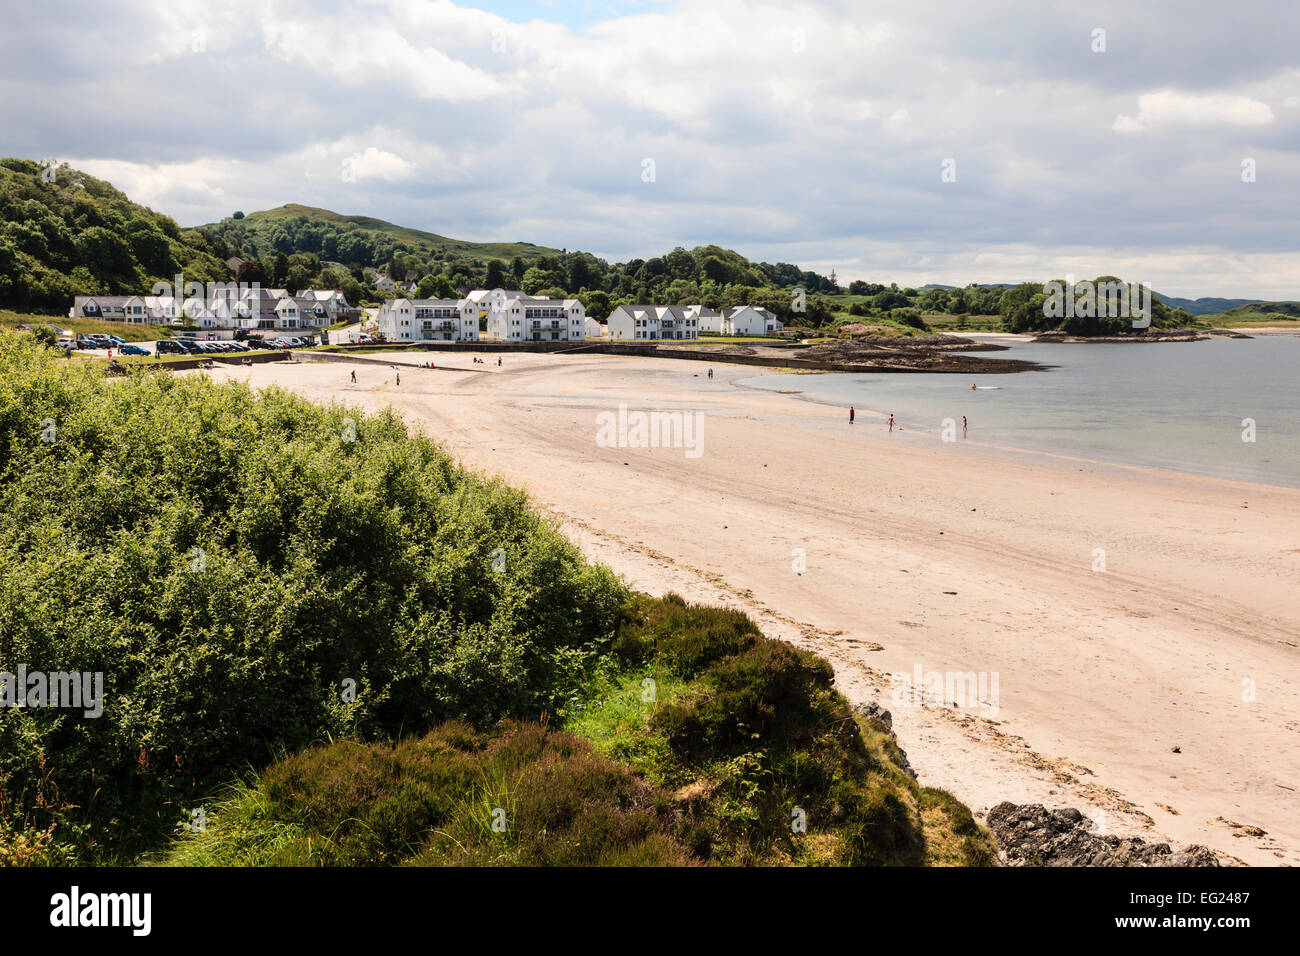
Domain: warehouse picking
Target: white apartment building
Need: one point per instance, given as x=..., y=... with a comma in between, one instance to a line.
x=429, y=320
x=522, y=318
x=653, y=323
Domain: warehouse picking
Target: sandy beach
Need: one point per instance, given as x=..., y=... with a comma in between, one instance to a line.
x=1160, y=695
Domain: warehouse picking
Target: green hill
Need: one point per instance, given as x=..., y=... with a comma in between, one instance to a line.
x=64, y=233
x=294, y=228
x=1291, y=309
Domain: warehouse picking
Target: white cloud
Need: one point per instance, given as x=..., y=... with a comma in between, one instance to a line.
x=377, y=164
x=1170, y=109
x=822, y=152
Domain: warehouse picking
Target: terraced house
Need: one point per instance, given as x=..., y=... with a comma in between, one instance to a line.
x=224, y=306
x=653, y=323
x=526, y=318
x=429, y=320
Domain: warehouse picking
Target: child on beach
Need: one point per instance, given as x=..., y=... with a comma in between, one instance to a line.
x=850, y=414
x=891, y=421
x=963, y=426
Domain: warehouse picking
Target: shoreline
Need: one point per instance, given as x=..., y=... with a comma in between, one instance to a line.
x=1102, y=674
x=995, y=448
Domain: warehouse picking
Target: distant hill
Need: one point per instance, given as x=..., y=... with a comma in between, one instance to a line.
x=1276, y=308
x=294, y=228
x=1203, y=306
x=64, y=233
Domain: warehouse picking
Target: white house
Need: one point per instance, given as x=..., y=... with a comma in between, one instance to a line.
x=706, y=319
x=594, y=329
x=221, y=306
x=382, y=281
x=748, y=320
x=111, y=308
x=522, y=318
x=429, y=320
x=653, y=323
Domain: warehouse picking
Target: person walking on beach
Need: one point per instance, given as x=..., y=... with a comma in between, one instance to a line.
x=710, y=373
x=891, y=422
x=963, y=426
x=399, y=378
x=850, y=414
x=354, y=376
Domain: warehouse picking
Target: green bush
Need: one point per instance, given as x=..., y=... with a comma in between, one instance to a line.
x=687, y=638
x=521, y=795
x=769, y=739
x=228, y=561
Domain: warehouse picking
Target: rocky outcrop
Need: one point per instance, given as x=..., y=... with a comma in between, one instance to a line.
x=874, y=711
x=1032, y=835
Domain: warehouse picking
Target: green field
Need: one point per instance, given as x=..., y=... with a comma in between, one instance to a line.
x=1249, y=320
x=963, y=323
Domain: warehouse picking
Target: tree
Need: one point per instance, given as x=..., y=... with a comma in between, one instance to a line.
x=535, y=280
x=280, y=270
x=238, y=215
x=581, y=275
x=106, y=254
x=150, y=247
x=679, y=264
x=435, y=287
x=251, y=272
x=597, y=304
x=496, y=275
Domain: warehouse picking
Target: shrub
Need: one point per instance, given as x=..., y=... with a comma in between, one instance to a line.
x=228, y=561
x=687, y=638
x=520, y=795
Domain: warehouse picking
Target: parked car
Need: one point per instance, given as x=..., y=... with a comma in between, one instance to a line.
x=130, y=349
x=169, y=347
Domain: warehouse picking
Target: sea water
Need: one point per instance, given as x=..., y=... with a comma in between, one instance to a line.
x=1185, y=406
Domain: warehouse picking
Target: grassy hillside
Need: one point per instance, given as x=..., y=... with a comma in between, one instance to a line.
x=129, y=331
x=64, y=233
x=260, y=228
x=697, y=742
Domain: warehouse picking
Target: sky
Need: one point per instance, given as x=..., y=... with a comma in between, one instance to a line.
x=910, y=142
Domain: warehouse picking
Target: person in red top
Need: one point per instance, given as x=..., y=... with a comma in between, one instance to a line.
x=850, y=414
